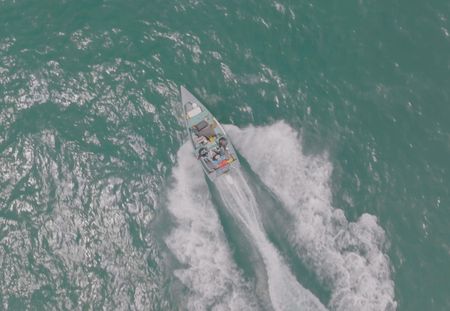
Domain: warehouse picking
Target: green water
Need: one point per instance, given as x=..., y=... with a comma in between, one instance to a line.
x=91, y=170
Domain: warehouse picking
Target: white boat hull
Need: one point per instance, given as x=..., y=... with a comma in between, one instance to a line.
x=212, y=146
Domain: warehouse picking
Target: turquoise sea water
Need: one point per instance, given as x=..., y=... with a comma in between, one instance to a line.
x=339, y=111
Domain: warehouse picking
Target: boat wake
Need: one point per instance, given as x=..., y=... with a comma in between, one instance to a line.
x=199, y=243
x=284, y=290
x=346, y=257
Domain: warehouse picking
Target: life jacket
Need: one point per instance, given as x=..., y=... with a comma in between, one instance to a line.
x=223, y=163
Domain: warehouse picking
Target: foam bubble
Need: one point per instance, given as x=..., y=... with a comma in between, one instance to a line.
x=347, y=257
x=199, y=243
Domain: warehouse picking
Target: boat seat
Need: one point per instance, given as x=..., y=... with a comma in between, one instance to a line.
x=203, y=128
x=192, y=113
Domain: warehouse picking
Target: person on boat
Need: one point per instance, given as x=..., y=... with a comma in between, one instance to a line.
x=216, y=159
x=202, y=152
x=219, y=161
x=203, y=156
x=223, y=142
x=223, y=149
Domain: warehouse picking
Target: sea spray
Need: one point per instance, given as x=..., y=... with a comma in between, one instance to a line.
x=348, y=257
x=212, y=278
x=198, y=242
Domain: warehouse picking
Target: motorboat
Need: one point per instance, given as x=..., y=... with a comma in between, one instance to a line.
x=212, y=147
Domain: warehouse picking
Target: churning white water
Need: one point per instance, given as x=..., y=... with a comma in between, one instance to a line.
x=285, y=291
x=347, y=257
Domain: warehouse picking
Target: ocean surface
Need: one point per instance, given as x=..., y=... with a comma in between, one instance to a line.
x=340, y=113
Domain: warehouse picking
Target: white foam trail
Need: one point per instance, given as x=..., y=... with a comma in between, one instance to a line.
x=284, y=290
x=347, y=257
x=199, y=243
